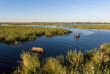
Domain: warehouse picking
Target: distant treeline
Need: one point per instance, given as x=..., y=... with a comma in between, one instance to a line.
x=49, y=23
x=32, y=23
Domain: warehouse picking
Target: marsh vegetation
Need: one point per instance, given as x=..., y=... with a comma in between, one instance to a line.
x=43, y=24
x=75, y=62
x=79, y=25
x=91, y=62
x=15, y=34
x=104, y=27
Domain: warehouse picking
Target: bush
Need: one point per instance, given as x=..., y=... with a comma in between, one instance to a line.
x=30, y=63
x=60, y=59
x=89, y=68
x=75, y=60
x=89, y=55
x=106, y=48
x=98, y=58
x=98, y=63
x=53, y=66
x=108, y=51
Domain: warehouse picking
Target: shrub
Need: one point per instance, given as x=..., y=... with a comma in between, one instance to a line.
x=53, y=66
x=60, y=59
x=88, y=55
x=99, y=63
x=75, y=60
x=108, y=51
x=89, y=68
x=106, y=48
x=30, y=63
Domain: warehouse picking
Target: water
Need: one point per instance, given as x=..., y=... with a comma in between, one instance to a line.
x=90, y=39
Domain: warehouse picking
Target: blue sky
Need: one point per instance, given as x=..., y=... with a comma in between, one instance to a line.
x=54, y=10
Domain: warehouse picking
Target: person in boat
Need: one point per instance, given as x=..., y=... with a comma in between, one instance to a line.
x=77, y=35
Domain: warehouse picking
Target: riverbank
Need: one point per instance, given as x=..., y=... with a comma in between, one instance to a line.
x=93, y=62
x=11, y=34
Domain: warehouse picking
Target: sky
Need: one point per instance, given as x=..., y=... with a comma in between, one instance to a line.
x=54, y=10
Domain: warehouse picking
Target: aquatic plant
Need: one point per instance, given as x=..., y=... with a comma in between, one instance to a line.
x=30, y=63
x=60, y=58
x=91, y=62
x=53, y=66
x=44, y=24
x=14, y=34
x=104, y=27
x=89, y=55
x=105, y=48
x=76, y=25
x=74, y=58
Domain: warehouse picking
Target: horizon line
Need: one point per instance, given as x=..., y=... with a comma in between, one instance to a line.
x=54, y=22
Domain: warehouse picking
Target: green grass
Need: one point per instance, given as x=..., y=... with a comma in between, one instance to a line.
x=44, y=24
x=49, y=23
x=80, y=25
x=15, y=34
x=92, y=62
x=104, y=27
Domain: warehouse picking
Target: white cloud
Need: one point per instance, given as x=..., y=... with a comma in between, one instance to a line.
x=74, y=6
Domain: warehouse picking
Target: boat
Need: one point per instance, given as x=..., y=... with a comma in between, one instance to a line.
x=77, y=35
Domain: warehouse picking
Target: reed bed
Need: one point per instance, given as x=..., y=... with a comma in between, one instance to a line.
x=11, y=34
x=104, y=27
x=91, y=62
x=43, y=24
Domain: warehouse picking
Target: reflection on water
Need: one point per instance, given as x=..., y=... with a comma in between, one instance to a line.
x=89, y=39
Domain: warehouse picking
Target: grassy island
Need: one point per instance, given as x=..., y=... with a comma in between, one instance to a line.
x=91, y=62
x=10, y=34
x=104, y=27
x=43, y=24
